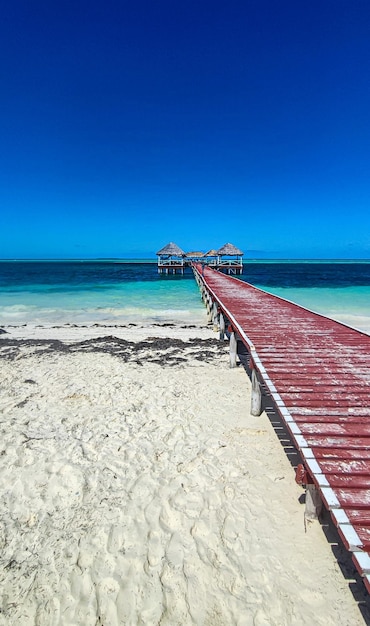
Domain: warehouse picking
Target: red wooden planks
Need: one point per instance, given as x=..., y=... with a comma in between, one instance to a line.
x=349, y=481
x=346, y=467
x=343, y=453
x=346, y=418
x=361, y=517
x=345, y=429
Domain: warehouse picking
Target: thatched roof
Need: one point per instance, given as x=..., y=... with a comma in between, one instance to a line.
x=197, y=254
x=211, y=253
x=229, y=250
x=172, y=250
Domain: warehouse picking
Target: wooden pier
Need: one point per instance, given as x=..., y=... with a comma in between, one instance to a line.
x=316, y=373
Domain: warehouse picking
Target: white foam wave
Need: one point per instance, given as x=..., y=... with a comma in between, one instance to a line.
x=22, y=314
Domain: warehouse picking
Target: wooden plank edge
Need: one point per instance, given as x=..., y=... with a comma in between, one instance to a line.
x=362, y=562
x=350, y=537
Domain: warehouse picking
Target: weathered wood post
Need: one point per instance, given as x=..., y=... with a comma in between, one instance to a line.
x=313, y=502
x=256, y=395
x=222, y=326
x=233, y=344
x=215, y=316
x=209, y=306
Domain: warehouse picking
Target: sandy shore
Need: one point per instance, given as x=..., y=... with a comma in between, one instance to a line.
x=137, y=489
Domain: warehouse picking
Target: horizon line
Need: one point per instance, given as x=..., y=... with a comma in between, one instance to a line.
x=154, y=260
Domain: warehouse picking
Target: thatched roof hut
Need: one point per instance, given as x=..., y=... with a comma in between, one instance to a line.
x=171, y=249
x=229, y=250
x=195, y=254
x=211, y=253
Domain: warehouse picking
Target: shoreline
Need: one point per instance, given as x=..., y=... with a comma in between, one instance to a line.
x=138, y=489
x=129, y=332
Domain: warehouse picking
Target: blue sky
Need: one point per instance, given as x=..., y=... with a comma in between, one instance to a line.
x=125, y=125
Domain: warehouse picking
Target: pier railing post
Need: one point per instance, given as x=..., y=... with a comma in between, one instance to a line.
x=209, y=306
x=233, y=344
x=256, y=395
x=215, y=316
x=313, y=502
x=222, y=326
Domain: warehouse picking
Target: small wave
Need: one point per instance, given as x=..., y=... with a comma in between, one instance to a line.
x=359, y=322
x=90, y=315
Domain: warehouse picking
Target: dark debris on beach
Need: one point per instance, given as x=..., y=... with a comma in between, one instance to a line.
x=160, y=350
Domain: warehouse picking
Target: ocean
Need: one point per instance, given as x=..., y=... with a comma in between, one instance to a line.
x=123, y=292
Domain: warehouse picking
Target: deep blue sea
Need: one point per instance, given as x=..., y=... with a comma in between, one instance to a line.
x=122, y=292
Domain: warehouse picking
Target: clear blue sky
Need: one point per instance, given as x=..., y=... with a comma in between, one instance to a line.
x=128, y=124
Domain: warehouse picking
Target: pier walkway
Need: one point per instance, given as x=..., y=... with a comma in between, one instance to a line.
x=317, y=373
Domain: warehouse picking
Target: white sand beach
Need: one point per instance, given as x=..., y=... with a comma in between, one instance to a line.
x=137, y=489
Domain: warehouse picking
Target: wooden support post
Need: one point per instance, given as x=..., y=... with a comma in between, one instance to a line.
x=256, y=396
x=233, y=349
x=222, y=327
x=313, y=502
x=209, y=309
x=215, y=316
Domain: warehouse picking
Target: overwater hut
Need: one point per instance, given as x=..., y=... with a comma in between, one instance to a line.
x=230, y=259
x=211, y=258
x=193, y=257
x=171, y=259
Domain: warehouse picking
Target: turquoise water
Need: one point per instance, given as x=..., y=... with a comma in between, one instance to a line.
x=123, y=292
x=102, y=293
x=133, y=303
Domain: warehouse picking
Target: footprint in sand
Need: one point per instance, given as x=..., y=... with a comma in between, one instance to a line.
x=155, y=548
